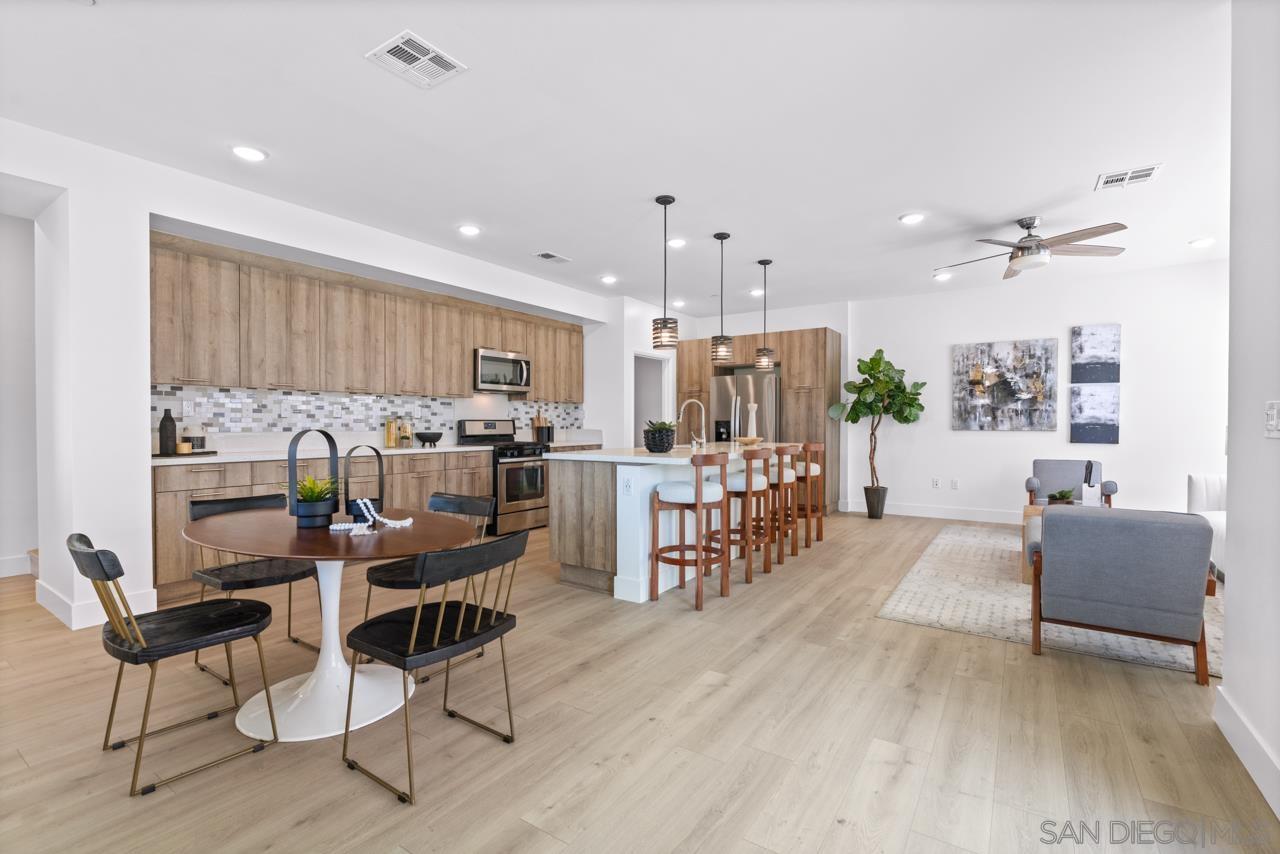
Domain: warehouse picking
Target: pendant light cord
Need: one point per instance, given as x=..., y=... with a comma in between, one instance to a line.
x=664, y=260
x=764, y=315
x=721, y=288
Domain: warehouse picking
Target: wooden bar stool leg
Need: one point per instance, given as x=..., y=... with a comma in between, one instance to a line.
x=765, y=507
x=680, y=567
x=698, y=556
x=795, y=519
x=726, y=553
x=748, y=528
x=654, y=518
x=808, y=510
x=822, y=500
x=780, y=521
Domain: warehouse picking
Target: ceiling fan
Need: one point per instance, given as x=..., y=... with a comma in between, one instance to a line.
x=1034, y=251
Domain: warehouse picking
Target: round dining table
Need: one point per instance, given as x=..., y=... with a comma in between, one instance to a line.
x=314, y=705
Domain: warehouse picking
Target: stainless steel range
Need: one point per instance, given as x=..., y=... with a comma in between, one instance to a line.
x=519, y=474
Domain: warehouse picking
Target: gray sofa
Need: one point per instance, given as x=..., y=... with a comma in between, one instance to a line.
x=1133, y=572
x=1050, y=476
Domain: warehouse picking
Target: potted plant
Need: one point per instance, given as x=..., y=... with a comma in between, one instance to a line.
x=659, y=437
x=881, y=391
x=1062, y=496
x=317, y=502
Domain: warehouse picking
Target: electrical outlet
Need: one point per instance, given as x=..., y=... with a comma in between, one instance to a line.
x=626, y=485
x=936, y=483
x=1272, y=412
x=955, y=484
x=188, y=408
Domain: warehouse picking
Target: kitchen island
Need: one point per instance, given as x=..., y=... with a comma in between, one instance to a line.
x=599, y=519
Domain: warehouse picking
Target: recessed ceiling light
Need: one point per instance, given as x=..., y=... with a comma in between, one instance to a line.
x=248, y=152
x=757, y=292
x=942, y=275
x=609, y=280
x=911, y=218
x=1200, y=243
x=678, y=303
x=468, y=230
x=676, y=242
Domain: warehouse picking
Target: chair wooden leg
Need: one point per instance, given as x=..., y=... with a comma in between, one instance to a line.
x=808, y=511
x=654, y=519
x=748, y=531
x=1035, y=607
x=697, y=557
x=794, y=518
x=779, y=523
x=680, y=568
x=1202, y=659
x=726, y=553
x=822, y=502
x=766, y=503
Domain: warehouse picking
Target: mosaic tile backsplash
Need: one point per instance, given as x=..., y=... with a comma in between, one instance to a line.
x=247, y=410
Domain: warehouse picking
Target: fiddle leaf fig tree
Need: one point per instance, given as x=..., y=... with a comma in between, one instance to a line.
x=881, y=391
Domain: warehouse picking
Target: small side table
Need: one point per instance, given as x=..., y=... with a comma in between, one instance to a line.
x=1029, y=512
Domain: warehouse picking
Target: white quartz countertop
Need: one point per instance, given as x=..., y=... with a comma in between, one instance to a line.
x=315, y=453
x=677, y=456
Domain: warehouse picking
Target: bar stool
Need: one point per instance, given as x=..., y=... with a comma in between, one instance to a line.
x=753, y=522
x=812, y=484
x=699, y=497
x=782, y=486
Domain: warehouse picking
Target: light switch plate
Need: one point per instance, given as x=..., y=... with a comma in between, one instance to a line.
x=188, y=408
x=1272, y=411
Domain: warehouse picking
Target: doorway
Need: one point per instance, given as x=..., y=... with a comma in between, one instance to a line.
x=648, y=402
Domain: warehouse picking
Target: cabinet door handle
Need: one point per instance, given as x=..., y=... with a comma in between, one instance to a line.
x=281, y=385
x=357, y=388
x=204, y=380
x=206, y=494
x=205, y=468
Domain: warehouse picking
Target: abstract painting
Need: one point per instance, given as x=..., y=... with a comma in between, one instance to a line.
x=1095, y=384
x=1005, y=385
x=1095, y=413
x=1095, y=353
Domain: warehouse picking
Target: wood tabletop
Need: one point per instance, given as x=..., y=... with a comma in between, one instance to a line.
x=274, y=533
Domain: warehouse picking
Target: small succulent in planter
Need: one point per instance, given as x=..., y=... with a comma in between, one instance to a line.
x=659, y=437
x=1062, y=496
x=317, y=501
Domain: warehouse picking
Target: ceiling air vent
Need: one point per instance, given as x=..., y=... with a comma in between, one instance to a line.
x=1125, y=177
x=413, y=58
x=552, y=257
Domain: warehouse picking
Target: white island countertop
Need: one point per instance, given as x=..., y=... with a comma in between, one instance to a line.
x=677, y=456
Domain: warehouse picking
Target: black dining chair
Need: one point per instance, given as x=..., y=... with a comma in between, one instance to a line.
x=431, y=632
x=228, y=572
x=399, y=574
x=151, y=638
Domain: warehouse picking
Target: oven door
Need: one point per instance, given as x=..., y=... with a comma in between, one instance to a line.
x=522, y=485
x=496, y=370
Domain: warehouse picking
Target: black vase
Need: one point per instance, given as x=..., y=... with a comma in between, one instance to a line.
x=316, y=514
x=659, y=441
x=168, y=434
x=875, y=500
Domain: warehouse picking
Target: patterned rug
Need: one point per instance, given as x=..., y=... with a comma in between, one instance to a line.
x=969, y=580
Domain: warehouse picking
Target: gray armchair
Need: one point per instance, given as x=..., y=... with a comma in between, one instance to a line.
x=1143, y=573
x=1049, y=476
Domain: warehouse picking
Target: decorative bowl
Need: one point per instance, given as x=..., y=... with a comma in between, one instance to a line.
x=428, y=438
x=748, y=440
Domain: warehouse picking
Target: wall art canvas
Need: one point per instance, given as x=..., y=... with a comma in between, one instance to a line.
x=1095, y=413
x=1005, y=385
x=1095, y=353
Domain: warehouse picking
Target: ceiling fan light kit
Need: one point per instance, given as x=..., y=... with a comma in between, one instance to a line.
x=666, y=330
x=721, y=345
x=1033, y=251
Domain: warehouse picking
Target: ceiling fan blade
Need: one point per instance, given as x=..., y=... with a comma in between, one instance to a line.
x=974, y=261
x=1084, y=234
x=1009, y=272
x=1087, y=249
x=998, y=242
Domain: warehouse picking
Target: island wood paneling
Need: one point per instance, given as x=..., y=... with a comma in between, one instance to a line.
x=583, y=521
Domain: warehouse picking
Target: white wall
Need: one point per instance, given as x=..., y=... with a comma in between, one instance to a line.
x=92, y=332
x=17, y=394
x=1173, y=389
x=648, y=395
x=1248, y=703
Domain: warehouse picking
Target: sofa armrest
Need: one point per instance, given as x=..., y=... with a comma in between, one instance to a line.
x=1110, y=487
x=1033, y=551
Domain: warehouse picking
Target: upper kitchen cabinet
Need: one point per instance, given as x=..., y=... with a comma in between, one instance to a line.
x=353, y=326
x=568, y=362
x=693, y=367
x=515, y=334
x=486, y=330
x=195, y=319
x=546, y=376
x=279, y=317
x=804, y=358
x=745, y=346
x=410, y=347
x=452, y=351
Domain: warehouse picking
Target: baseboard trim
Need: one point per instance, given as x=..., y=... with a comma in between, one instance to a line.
x=19, y=564
x=1262, y=765
x=83, y=615
x=943, y=511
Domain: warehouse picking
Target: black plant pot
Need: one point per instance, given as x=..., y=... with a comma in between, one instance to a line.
x=659, y=441
x=357, y=514
x=875, y=500
x=316, y=514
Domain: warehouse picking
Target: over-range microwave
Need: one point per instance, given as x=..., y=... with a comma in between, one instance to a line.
x=500, y=371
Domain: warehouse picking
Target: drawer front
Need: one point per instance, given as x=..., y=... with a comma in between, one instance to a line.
x=363, y=466
x=468, y=459
x=415, y=463
x=277, y=471
x=206, y=476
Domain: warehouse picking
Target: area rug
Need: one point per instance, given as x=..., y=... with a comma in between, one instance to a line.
x=969, y=580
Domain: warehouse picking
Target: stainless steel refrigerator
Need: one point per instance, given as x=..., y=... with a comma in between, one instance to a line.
x=734, y=390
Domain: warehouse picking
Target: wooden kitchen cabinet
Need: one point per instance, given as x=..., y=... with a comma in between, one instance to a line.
x=452, y=352
x=486, y=330
x=803, y=356
x=175, y=556
x=693, y=367
x=568, y=365
x=279, y=317
x=745, y=346
x=353, y=329
x=515, y=334
x=546, y=376
x=409, y=345
x=469, y=481
x=195, y=319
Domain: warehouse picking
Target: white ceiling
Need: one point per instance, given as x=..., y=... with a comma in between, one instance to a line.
x=803, y=128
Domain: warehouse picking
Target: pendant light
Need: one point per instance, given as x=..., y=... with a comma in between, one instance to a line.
x=764, y=355
x=666, y=330
x=721, y=345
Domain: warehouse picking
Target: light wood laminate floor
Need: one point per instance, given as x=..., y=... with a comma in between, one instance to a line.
x=785, y=718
